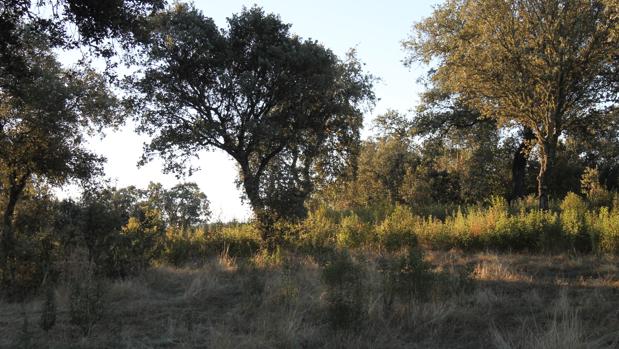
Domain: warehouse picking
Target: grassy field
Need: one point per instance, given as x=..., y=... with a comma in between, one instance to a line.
x=286, y=301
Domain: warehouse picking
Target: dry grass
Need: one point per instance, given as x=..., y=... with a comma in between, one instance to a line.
x=517, y=301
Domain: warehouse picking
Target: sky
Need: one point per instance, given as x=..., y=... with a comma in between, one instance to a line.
x=374, y=28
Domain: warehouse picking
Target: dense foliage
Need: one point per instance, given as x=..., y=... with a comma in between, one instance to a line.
x=286, y=110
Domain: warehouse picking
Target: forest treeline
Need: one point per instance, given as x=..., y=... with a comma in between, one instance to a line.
x=514, y=145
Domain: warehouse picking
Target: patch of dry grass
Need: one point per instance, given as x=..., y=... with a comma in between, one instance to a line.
x=517, y=301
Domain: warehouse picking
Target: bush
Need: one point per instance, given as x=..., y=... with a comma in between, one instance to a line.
x=48, y=311
x=32, y=263
x=596, y=193
x=606, y=228
x=87, y=295
x=573, y=223
x=346, y=304
x=238, y=240
x=319, y=229
x=139, y=242
x=406, y=277
x=181, y=248
x=352, y=232
x=397, y=231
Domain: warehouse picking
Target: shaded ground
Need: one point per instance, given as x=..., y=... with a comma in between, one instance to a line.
x=514, y=301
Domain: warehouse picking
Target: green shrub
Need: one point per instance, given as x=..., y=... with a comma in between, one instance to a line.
x=524, y=204
x=181, y=248
x=406, y=277
x=33, y=262
x=434, y=233
x=352, y=232
x=573, y=223
x=87, y=296
x=454, y=281
x=542, y=229
x=595, y=191
x=606, y=227
x=319, y=229
x=346, y=303
x=238, y=240
x=398, y=230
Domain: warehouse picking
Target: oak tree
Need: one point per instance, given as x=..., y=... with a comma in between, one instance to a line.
x=285, y=109
x=44, y=116
x=544, y=64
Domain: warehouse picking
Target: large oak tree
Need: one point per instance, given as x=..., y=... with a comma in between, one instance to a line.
x=285, y=109
x=544, y=64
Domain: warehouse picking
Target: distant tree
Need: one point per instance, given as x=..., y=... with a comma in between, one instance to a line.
x=286, y=110
x=185, y=206
x=44, y=116
x=544, y=64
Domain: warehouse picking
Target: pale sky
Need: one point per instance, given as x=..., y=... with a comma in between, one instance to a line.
x=374, y=28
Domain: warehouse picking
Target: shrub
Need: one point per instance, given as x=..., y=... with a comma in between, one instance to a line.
x=238, y=240
x=24, y=339
x=319, y=229
x=86, y=304
x=352, y=232
x=524, y=204
x=48, y=311
x=87, y=294
x=542, y=228
x=454, y=280
x=596, y=193
x=22, y=276
x=140, y=241
x=434, y=233
x=346, y=304
x=573, y=223
x=181, y=248
x=606, y=227
x=398, y=230
x=406, y=277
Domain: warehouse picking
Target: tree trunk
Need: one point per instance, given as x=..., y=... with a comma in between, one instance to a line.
x=547, y=160
x=8, y=235
x=519, y=165
x=264, y=218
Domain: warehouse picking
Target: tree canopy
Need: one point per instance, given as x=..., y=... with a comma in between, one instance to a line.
x=284, y=108
x=543, y=64
x=44, y=116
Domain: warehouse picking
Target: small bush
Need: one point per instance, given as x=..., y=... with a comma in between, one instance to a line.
x=455, y=281
x=596, y=193
x=48, y=311
x=24, y=339
x=606, y=228
x=573, y=223
x=31, y=264
x=180, y=248
x=346, y=304
x=352, y=232
x=397, y=231
x=319, y=229
x=406, y=277
x=87, y=295
x=238, y=240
